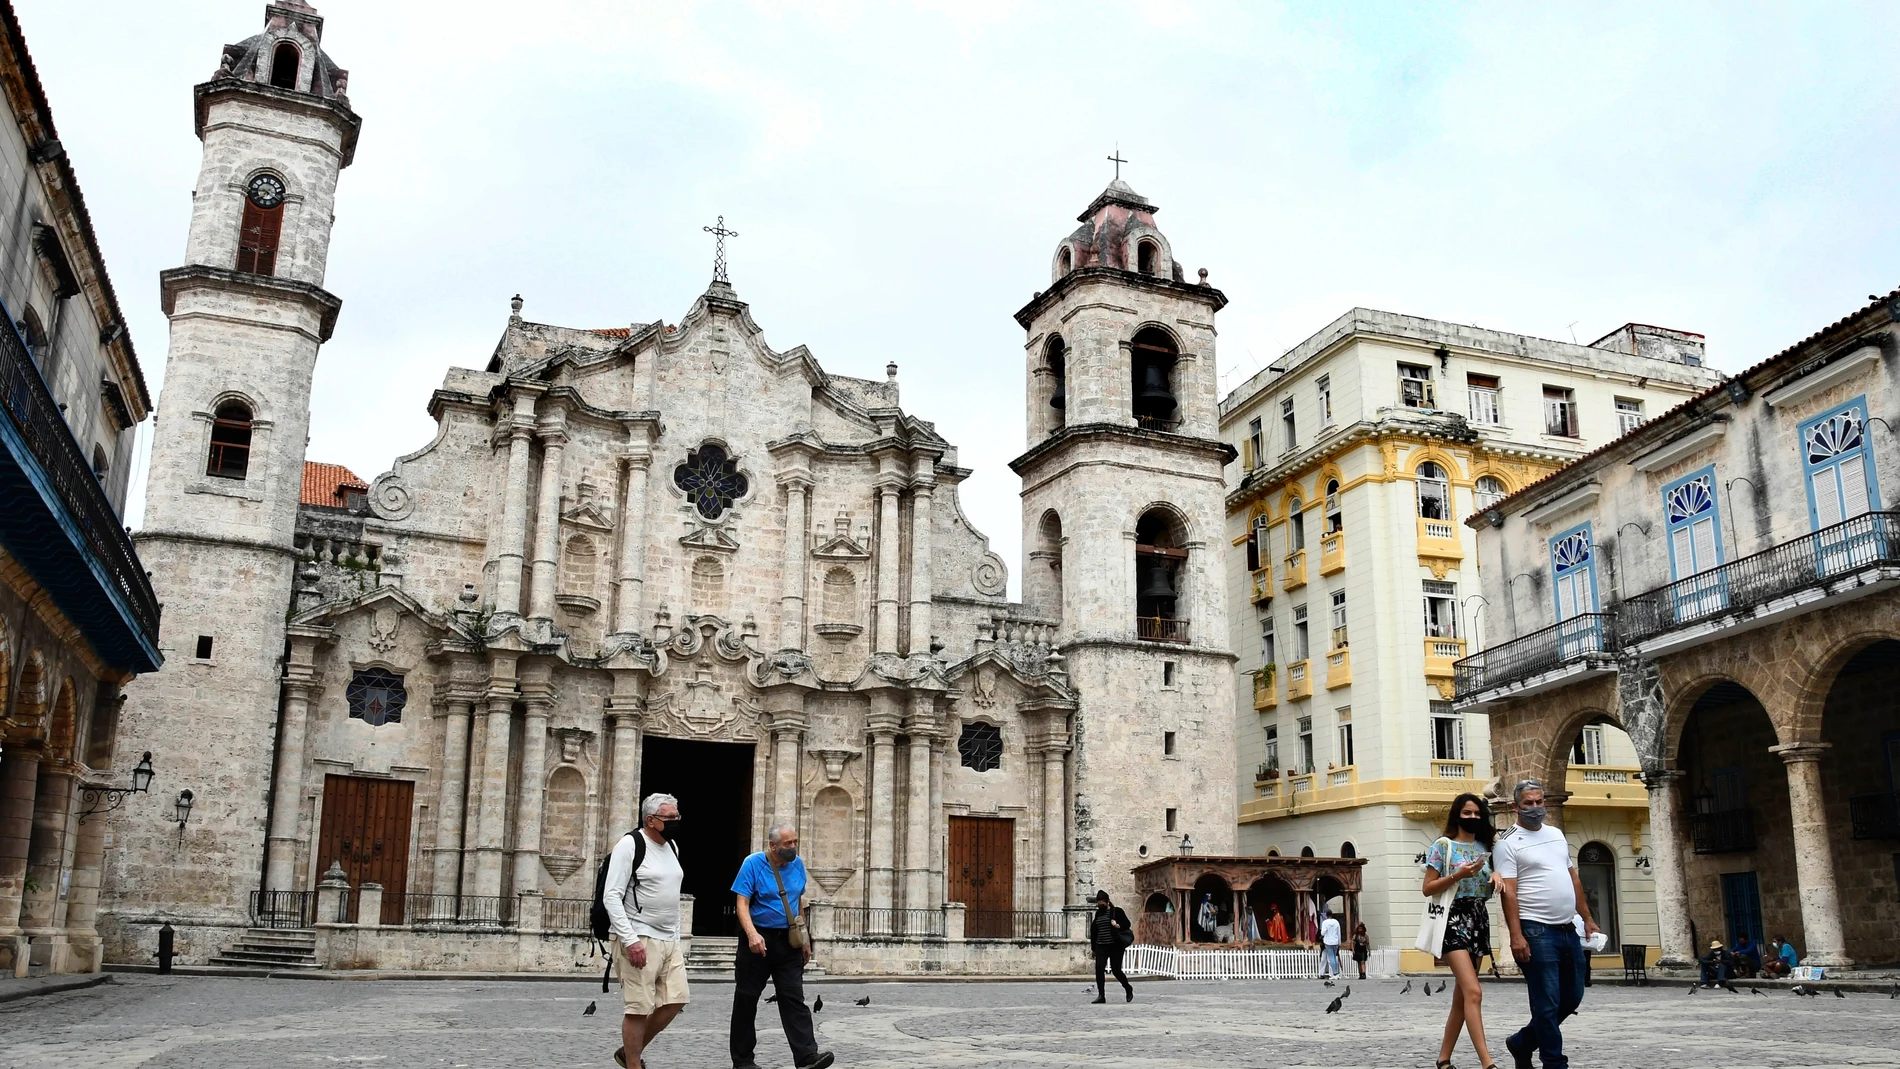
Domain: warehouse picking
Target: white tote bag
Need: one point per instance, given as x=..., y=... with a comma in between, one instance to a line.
x=1431, y=925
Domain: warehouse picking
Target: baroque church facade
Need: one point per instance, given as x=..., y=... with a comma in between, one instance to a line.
x=667, y=557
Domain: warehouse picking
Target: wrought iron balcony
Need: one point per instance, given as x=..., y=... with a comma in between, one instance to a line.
x=1161, y=629
x=1875, y=816
x=1871, y=540
x=1567, y=642
x=1725, y=831
x=60, y=524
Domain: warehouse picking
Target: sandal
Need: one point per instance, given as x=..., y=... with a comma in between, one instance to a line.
x=1447, y=1065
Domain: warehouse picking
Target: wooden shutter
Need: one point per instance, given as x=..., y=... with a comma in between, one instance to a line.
x=1827, y=497
x=258, y=236
x=1703, y=537
x=1567, y=597
x=1853, y=487
x=1682, y=552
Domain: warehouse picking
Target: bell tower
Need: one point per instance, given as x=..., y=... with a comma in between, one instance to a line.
x=248, y=313
x=1123, y=513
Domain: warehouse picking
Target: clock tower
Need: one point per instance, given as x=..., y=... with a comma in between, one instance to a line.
x=248, y=314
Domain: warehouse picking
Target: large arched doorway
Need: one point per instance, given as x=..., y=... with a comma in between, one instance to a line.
x=1160, y=570
x=1271, y=901
x=1860, y=785
x=1740, y=872
x=1210, y=911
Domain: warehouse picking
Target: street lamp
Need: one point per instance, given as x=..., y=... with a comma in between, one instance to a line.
x=99, y=798
x=1187, y=844
x=182, y=811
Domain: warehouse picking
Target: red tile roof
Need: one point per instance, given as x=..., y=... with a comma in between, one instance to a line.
x=613, y=332
x=323, y=484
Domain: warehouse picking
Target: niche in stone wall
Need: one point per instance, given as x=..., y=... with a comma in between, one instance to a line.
x=564, y=824
x=709, y=586
x=578, y=567
x=841, y=597
x=830, y=839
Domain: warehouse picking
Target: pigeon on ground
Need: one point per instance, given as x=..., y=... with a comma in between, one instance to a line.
x=1442, y=985
x=1427, y=988
x=818, y=1004
x=771, y=998
x=865, y=1001
x=1800, y=991
x=1348, y=993
x=1837, y=993
x=589, y=1011
x=1730, y=988
x=1895, y=994
x=1329, y=983
x=1407, y=989
x=1753, y=990
x=1692, y=988
x=1333, y=1006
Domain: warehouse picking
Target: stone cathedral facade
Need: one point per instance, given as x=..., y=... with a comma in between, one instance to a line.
x=666, y=557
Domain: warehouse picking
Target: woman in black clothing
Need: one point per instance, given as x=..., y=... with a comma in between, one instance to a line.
x=1110, y=934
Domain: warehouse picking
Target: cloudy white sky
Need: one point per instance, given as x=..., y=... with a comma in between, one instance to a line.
x=899, y=175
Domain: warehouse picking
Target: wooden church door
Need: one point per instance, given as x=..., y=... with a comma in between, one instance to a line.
x=366, y=830
x=983, y=874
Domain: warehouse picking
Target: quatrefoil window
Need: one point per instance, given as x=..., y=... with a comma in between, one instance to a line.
x=710, y=480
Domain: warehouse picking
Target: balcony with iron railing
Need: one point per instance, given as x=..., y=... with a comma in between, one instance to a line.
x=58, y=522
x=1156, y=423
x=1875, y=816
x=1722, y=831
x=1161, y=629
x=1583, y=643
x=1766, y=584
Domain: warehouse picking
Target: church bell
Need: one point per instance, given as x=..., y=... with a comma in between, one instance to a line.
x=1156, y=580
x=1154, y=397
x=1061, y=399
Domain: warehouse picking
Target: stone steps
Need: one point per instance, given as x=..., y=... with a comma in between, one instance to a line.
x=271, y=948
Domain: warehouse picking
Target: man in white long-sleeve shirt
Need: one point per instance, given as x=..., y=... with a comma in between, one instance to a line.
x=643, y=909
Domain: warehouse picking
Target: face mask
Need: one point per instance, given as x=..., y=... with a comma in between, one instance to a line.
x=1474, y=825
x=1531, y=816
x=787, y=854
x=669, y=829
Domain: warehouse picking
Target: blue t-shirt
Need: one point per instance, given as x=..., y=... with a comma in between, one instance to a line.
x=756, y=883
x=1787, y=955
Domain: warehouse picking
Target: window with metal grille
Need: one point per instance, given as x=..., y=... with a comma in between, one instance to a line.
x=980, y=747
x=376, y=697
x=1415, y=387
x=1560, y=412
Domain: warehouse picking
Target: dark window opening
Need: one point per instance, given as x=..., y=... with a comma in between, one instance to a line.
x=283, y=66
x=1167, y=743
x=376, y=697
x=1167, y=673
x=230, y=441
x=34, y=335
x=1171, y=819
x=980, y=747
x=1056, y=357
x=1066, y=262
x=99, y=463
x=1306, y=851
x=1145, y=257
x=1159, y=558
x=204, y=647
x=1348, y=850
x=1154, y=356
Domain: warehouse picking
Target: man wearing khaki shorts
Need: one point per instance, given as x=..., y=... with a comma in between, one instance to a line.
x=643, y=909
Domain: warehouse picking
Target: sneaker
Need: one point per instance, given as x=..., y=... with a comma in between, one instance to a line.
x=1131, y=994
x=1097, y=1000
x=820, y=1060
x=1520, y=1058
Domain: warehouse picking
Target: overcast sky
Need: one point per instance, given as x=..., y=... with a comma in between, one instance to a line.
x=899, y=176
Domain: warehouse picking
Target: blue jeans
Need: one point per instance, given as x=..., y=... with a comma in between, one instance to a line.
x=1329, y=954
x=1555, y=978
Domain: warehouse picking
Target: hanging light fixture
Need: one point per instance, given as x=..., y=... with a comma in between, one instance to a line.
x=99, y=798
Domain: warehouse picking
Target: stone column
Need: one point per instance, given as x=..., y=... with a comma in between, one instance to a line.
x=514, y=504
x=46, y=856
x=472, y=796
x=882, y=804
x=626, y=705
x=788, y=737
x=494, y=782
x=454, y=788
x=82, y=905
x=888, y=545
x=547, y=518
x=792, y=601
x=633, y=544
x=286, y=800
x=1813, y=855
x=1666, y=836
x=1055, y=857
x=536, y=701
x=938, y=885
x=922, y=729
x=923, y=483
x=19, y=782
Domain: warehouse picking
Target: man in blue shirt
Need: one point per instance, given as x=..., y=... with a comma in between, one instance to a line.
x=771, y=889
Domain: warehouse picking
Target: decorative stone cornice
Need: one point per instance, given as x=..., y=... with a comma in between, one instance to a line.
x=1794, y=752
x=176, y=280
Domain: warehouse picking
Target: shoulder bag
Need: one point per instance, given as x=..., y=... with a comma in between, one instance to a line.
x=795, y=931
x=1431, y=925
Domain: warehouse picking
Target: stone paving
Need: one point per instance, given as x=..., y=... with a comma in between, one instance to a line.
x=204, y=1023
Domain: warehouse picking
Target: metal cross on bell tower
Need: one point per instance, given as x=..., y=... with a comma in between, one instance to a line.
x=1117, y=160
x=720, y=234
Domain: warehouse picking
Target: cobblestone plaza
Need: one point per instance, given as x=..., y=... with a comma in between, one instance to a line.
x=203, y=1023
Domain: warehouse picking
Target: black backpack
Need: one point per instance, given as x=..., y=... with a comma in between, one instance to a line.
x=598, y=923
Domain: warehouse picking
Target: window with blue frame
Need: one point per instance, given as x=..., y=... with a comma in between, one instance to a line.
x=1694, y=529
x=1835, y=457
x=1573, y=570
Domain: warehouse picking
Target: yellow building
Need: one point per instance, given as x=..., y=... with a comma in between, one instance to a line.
x=1355, y=586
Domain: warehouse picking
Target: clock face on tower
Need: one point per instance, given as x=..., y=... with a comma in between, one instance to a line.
x=266, y=191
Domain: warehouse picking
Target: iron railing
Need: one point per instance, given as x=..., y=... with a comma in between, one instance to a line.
x=1868, y=540
x=1875, y=816
x=24, y=396
x=1542, y=651
x=857, y=922
x=1015, y=924
x=1725, y=831
x=1155, y=423
x=566, y=914
x=432, y=909
x=283, y=909
x=1161, y=629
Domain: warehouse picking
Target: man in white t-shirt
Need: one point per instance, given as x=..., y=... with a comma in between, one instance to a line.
x=643, y=909
x=1541, y=896
x=1329, y=943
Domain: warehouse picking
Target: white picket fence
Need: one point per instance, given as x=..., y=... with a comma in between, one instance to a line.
x=1266, y=963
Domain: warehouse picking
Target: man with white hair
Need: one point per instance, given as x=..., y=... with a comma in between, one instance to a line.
x=1542, y=894
x=642, y=899
x=775, y=945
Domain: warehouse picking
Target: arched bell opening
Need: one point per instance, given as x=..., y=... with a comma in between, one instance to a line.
x=1153, y=357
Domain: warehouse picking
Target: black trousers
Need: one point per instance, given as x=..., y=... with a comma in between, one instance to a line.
x=1112, y=958
x=784, y=965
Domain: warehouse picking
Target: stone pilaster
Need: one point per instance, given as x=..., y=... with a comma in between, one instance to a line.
x=286, y=802
x=472, y=793
x=888, y=545
x=923, y=486
x=19, y=783
x=82, y=905
x=1055, y=858
x=40, y=907
x=537, y=699
x=938, y=826
x=922, y=728
x=1813, y=855
x=626, y=705
x=514, y=505
x=792, y=601
x=633, y=534
x=493, y=806
x=788, y=737
x=547, y=517
x=881, y=806
x=453, y=789
x=1666, y=836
